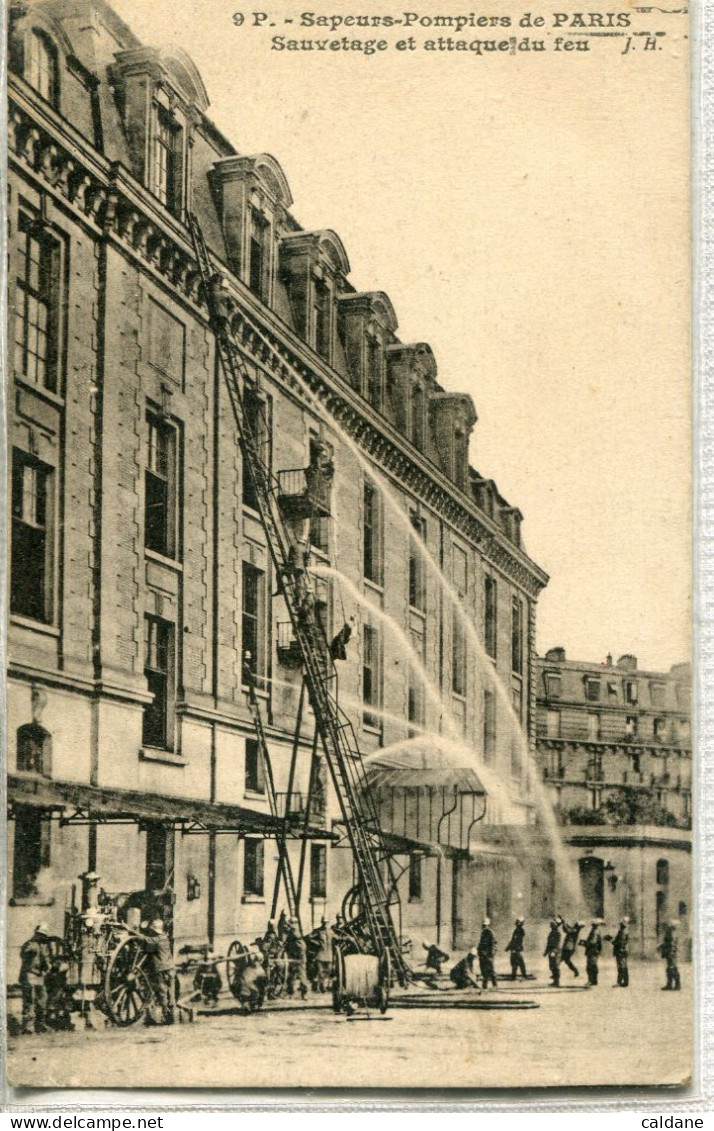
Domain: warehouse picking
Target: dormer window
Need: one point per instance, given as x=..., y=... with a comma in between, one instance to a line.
x=367, y=323
x=168, y=153
x=374, y=373
x=257, y=253
x=417, y=417
x=323, y=319
x=41, y=71
x=158, y=94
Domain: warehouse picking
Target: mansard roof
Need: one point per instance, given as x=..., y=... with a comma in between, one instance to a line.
x=326, y=241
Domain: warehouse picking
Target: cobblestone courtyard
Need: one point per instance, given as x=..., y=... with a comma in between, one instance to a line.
x=603, y=1036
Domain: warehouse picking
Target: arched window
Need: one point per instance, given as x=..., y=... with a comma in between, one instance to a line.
x=662, y=873
x=42, y=71
x=34, y=750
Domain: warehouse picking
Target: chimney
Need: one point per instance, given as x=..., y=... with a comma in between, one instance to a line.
x=628, y=662
x=555, y=655
x=608, y=660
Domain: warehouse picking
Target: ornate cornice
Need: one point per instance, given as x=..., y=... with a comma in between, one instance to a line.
x=114, y=206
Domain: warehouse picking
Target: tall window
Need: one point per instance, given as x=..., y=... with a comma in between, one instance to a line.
x=31, y=571
x=374, y=373
x=371, y=535
x=160, y=488
x=253, y=618
x=553, y=685
x=34, y=750
x=630, y=690
x=415, y=877
x=491, y=615
x=415, y=689
x=489, y=727
x=160, y=856
x=418, y=416
x=159, y=672
x=258, y=254
x=517, y=635
x=167, y=160
x=592, y=689
x=254, y=769
x=256, y=414
x=36, y=305
x=32, y=850
x=318, y=871
x=417, y=571
x=458, y=654
x=253, y=866
x=323, y=320
x=371, y=676
x=42, y=72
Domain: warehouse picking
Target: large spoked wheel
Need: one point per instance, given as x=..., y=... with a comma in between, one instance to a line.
x=127, y=991
x=385, y=983
x=236, y=960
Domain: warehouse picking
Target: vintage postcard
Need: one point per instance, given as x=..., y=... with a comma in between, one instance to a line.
x=349, y=684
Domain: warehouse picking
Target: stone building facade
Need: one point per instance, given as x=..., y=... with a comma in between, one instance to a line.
x=614, y=747
x=139, y=571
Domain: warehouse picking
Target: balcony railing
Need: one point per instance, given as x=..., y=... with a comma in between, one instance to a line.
x=305, y=492
x=298, y=806
x=289, y=653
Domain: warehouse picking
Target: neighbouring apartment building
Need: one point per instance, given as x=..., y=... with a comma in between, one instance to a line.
x=139, y=571
x=615, y=749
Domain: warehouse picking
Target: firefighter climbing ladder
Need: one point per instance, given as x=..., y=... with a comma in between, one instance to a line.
x=335, y=729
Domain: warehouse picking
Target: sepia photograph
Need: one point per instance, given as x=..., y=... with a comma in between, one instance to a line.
x=348, y=396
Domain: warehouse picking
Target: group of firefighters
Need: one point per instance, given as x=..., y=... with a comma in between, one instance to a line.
x=560, y=949
x=306, y=962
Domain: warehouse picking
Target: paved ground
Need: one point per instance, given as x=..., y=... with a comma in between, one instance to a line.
x=576, y=1036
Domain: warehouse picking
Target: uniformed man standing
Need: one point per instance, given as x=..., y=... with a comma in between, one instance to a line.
x=669, y=950
x=463, y=974
x=323, y=957
x=515, y=948
x=35, y=964
x=552, y=951
x=160, y=970
x=621, y=951
x=486, y=954
x=296, y=952
x=570, y=942
x=593, y=950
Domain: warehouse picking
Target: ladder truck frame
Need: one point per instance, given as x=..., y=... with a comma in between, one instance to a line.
x=372, y=929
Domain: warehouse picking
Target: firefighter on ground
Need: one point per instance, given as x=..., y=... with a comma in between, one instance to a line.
x=486, y=954
x=160, y=970
x=323, y=957
x=250, y=988
x=669, y=948
x=296, y=952
x=463, y=974
x=435, y=957
x=552, y=951
x=35, y=965
x=515, y=949
x=593, y=950
x=570, y=943
x=621, y=951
